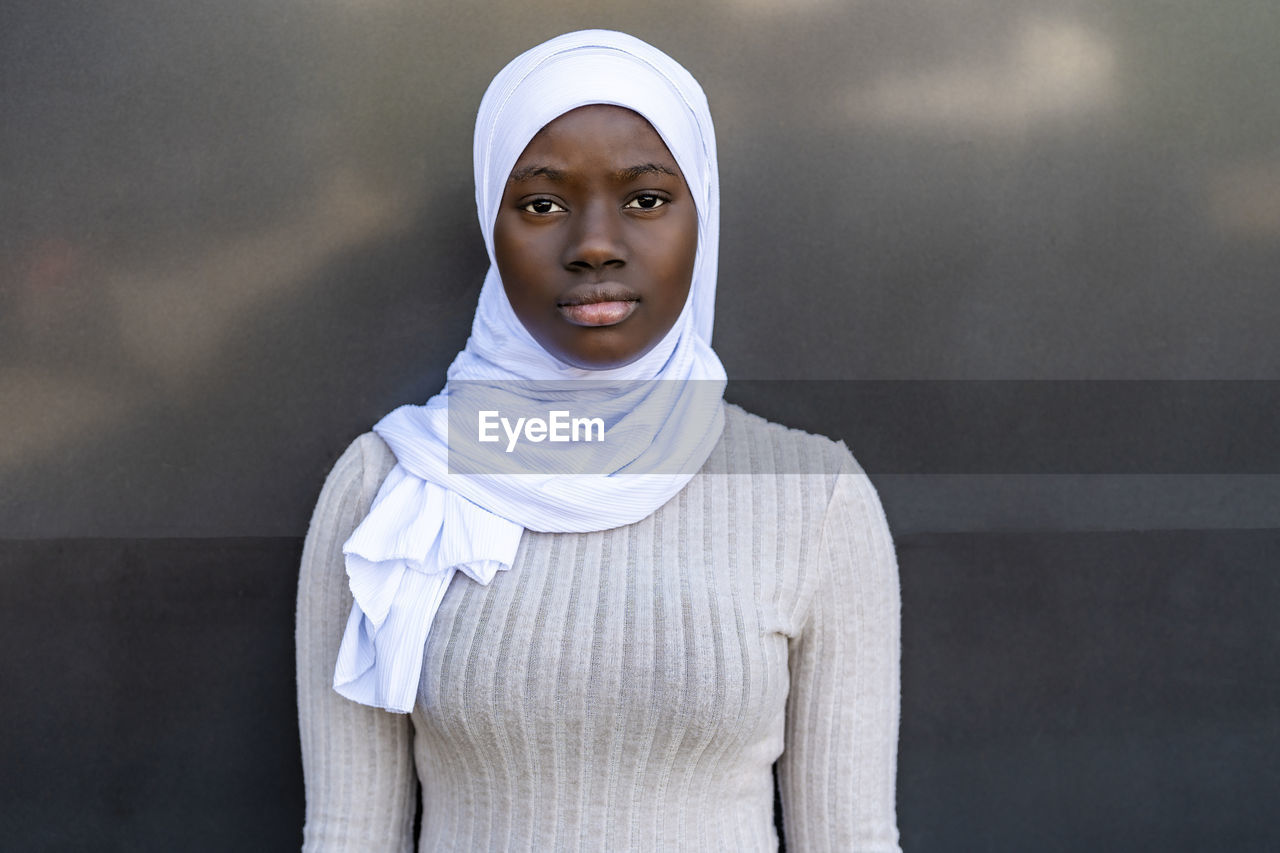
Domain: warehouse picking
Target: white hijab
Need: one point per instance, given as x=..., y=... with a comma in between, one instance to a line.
x=427, y=521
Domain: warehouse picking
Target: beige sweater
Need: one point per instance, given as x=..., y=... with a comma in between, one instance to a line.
x=629, y=689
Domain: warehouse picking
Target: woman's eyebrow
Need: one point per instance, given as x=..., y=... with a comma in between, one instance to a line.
x=632, y=172
x=528, y=173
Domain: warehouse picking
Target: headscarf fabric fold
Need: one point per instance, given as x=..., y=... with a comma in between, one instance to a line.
x=428, y=521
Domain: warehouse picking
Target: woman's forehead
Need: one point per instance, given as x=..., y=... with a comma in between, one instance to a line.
x=603, y=133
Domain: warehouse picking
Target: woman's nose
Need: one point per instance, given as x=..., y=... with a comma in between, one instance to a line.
x=597, y=239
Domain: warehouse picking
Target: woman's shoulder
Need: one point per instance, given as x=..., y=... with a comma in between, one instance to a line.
x=358, y=472
x=834, y=503
x=752, y=444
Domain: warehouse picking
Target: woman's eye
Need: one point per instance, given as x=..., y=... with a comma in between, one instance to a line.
x=542, y=205
x=646, y=202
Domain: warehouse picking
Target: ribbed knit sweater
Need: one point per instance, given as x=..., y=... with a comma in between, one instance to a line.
x=629, y=689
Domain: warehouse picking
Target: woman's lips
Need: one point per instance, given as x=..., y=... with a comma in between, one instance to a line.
x=598, y=313
x=604, y=304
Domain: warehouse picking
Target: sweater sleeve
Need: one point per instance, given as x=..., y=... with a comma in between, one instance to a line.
x=357, y=761
x=838, y=768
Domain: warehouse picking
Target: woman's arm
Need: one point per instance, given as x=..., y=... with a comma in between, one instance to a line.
x=357, y=761
x=838, y=770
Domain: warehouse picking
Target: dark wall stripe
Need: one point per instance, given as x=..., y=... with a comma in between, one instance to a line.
x=1066, y=691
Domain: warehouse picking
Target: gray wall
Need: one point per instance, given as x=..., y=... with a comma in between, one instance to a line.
x=1023, y=256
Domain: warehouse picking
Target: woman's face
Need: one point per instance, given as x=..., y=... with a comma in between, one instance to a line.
x=596, y=237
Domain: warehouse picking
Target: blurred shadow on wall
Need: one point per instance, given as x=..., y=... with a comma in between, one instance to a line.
x=172, y=179
x=1243, y=201
x=100, y=344
x=1049, y=69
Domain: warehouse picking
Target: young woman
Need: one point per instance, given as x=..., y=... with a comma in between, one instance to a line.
x=613, y=659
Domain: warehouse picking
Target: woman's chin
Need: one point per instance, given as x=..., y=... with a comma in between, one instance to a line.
x=605, y=359
x=600, y=348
